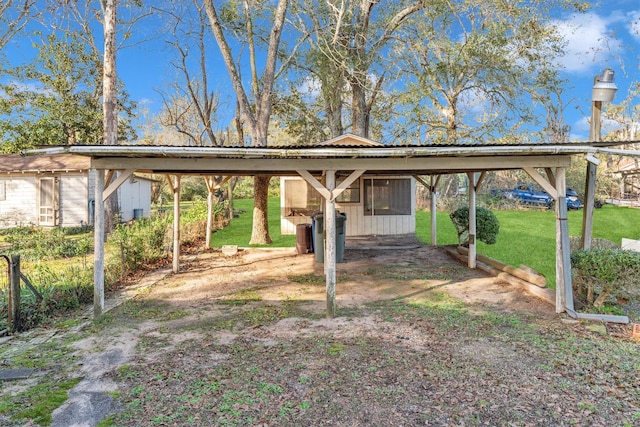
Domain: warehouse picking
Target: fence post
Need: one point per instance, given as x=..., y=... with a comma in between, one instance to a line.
x=14, y=284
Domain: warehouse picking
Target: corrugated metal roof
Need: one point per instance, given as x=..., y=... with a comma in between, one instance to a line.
x=16, y=163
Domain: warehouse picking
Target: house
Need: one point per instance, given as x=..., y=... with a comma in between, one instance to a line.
x=58, y=190
x=374, y=204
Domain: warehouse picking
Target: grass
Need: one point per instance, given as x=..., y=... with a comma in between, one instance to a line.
x=239, y=231
x=526, y=236
x=38, y=402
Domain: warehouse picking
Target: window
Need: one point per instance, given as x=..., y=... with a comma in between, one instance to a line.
x=351, y=194
x=387, y=196
x=300, y=198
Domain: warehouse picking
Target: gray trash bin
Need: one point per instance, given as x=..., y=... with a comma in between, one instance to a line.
x=341, y=232
x=319, y=238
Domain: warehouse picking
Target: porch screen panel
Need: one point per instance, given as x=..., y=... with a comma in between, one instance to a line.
x=387, y=196
x=300, y=198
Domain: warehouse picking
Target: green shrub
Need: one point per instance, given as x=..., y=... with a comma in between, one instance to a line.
x=605, y=272
x=140, y=242
x=487, y=225
x=34, y=243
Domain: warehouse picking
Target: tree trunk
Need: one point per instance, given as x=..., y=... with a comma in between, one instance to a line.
x=260, y=232
x=360, y=114
x=109, y=93
x=334, y=114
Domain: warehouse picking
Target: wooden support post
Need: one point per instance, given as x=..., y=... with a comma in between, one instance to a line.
x=564, y=286
x=14, y=293
x=589, y=200
x=330, y=247
x=212, y=186
x=209, y=180
x=472, y=219
x=433, y=208
x=98, y=246
x=176, y=224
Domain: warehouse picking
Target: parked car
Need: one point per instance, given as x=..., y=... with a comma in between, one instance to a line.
x=573, y=202
x=526, y=193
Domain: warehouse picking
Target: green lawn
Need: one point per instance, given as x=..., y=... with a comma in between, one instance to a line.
x=526, y=236
x=239, y=231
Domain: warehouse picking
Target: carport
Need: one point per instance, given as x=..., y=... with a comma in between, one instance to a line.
x=351, y=159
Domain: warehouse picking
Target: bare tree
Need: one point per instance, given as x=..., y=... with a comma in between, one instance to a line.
x=255, y=115
x=14, y=16
x=191, y=109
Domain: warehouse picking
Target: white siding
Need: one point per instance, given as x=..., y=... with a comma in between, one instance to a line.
x=74, y=192
x=358, y=224
x=135, y=193
x=19, y=196
x=19, y=206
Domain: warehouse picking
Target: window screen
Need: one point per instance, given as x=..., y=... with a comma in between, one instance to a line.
x=351, y=194
x=300, y=198
x=387, y=196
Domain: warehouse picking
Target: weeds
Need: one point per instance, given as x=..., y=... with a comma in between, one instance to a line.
x=38, y=402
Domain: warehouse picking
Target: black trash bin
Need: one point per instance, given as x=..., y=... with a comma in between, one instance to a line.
x=303, y=239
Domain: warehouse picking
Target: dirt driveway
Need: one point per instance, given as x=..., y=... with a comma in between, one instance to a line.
x=419, y=340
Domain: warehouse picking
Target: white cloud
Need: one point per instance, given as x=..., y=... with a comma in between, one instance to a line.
x=633, y=25
x=589, y=40
x=310, y=86
x=582, y=127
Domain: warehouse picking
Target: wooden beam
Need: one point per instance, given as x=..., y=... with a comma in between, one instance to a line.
x=433, y=196
x=330, y=247
x=422, y=181
x=209, y=181
x=223, y=182
x=98, y=246
x=537, y=177
x=551, y=176
x=481, y=178
x=472, y=219
x=545, y=294
x=109, y=176
x=170, y=183
x=346, y=183
x=589, y=201
x=124, y=175
x=533, y=278
x=176, y=224
x=564, y=286
x=315, y=183
x=252, y=166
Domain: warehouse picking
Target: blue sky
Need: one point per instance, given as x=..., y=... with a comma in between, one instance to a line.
x=607, y=36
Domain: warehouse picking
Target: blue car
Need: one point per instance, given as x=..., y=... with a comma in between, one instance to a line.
x=573, y=202
x=528, y=194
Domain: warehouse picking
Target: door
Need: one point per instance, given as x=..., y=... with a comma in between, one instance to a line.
x=48, y=202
